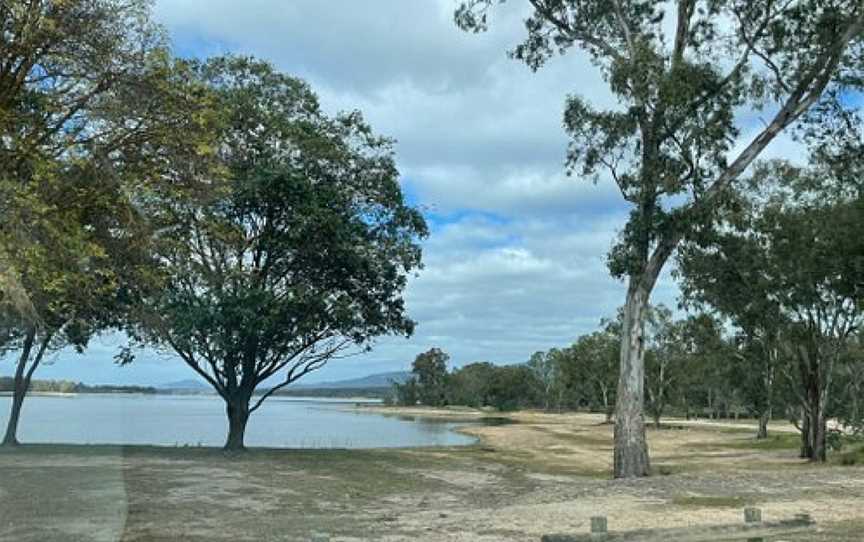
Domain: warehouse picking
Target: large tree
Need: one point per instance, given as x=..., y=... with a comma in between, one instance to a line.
x=594, y=363
x=675, y=143
x=91, y=104
x=59, y=61
x=788, y=268
x=430, y=371
x=664, y=360
x=547, y=375
x=87, y=266
x=295, y=247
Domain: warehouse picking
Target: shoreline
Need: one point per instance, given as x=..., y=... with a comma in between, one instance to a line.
x=46, y=394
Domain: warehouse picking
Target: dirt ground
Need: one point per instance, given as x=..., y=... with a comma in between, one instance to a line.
x=547, y=473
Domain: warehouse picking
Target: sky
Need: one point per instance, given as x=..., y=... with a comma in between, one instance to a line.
x=515, y=262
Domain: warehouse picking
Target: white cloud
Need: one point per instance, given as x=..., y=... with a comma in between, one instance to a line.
x=516, y=262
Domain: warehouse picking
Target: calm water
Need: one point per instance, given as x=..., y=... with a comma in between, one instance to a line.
x=200, y=420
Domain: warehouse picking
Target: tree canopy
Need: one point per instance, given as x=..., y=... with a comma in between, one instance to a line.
x=295, y=247
x=788, y=268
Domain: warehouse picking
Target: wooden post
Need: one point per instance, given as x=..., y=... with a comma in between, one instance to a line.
x=752, y=515
x=599, y=525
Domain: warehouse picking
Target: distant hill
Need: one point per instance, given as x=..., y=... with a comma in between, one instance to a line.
x=185, y=385
x=380, y=380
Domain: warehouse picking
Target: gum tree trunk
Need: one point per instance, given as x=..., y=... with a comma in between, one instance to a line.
x=764, y=418
x=606, y=408
x=768, y=410
x=818, y=430
x=631, y=447
x=806, y=438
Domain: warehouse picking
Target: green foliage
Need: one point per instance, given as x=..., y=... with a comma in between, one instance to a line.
x=591, y=368
x=674, y=141
x=545, y=369
x=512, y=387
x=292, y=247
x=66, y=65
x=787, y=269
x=470, y=385
x=430, y=372
x=406, y=393
x=7, y=384
x=850, y=383
x=90, y=262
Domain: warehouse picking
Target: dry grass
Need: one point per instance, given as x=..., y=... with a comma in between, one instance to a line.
x=545, y=473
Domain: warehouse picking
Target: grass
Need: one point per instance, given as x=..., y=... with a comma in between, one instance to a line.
x=775, y=442
x=850, y=457
x=520, y=480
x=711, y=501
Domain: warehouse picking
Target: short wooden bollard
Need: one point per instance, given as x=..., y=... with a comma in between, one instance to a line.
x=752, y=515
x=599, y=525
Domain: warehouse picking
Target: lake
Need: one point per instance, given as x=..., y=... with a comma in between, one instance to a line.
x=199, y=420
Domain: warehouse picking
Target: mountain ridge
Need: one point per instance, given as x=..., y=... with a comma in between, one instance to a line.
x=376, y=380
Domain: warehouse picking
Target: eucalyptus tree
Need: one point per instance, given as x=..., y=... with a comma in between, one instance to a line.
x=430, y=370
x=675, y=144
x=664, y=358
x=595, y=361
x=547, y=375
x=704, y=376
x=851, y=381
x=469, y=385
x=292, y=249
x=788, y=269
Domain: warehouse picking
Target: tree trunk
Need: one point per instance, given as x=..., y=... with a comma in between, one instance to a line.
x=11, y=438
x=764, y=418
x=237, y=409
x=631, y=448
x=19, y=391
x=710, y=404
x=768, y=410
x=606, y=409
x=815, y=411
x=806, y=438
x=818, y=431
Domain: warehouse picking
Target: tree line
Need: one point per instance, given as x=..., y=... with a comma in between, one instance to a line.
x=7, y=384
x=738, y=360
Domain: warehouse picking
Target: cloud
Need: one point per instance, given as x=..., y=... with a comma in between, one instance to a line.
x=462, y=112
x=516, y=261
x=357, y=46
x=501, y=291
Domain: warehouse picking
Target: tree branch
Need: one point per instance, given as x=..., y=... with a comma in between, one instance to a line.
x=574, y=34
